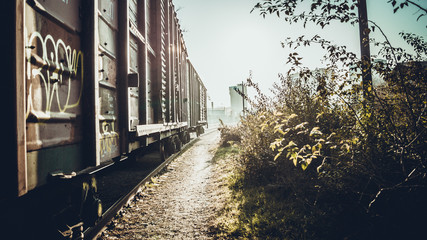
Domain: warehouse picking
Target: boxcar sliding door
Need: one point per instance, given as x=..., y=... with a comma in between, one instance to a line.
x=54, y=82
x=108, y=114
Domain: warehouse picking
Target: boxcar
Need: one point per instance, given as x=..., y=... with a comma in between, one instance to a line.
x=90, y=83
x=197, y=101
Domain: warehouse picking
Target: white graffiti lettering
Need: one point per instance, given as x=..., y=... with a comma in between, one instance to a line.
x=54, y=69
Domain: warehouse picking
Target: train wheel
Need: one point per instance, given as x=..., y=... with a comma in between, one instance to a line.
x=181, y=137
x=162, y=151
x=170, y=146
x=186, y=137
x=178, y=143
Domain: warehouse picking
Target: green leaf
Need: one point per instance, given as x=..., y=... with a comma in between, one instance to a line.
x=280, y=131
x=277, y=156
x=355, y=140
x=292, y=116
x=301, y=125
x=276, y=143
x=294, y=158
x=290, y=144
x=331, y=135
x=304, y=166
x=315, y=131
x=346, y=147
x=278, y=113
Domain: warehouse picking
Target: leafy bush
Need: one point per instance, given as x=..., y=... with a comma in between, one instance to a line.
x=229, y=134
x=329, y=156
x=339, y=166
x=340, y=172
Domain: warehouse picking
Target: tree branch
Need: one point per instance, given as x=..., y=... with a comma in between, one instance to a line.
x=417, y=5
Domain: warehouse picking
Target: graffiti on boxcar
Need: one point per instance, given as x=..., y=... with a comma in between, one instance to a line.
x=108, y=140
x=55, y=68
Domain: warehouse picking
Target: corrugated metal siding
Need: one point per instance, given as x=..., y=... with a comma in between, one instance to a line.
x=108, y=89
x=197, y=97
x=163, y=55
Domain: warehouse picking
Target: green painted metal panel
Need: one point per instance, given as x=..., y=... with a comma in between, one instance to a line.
x=41, y=163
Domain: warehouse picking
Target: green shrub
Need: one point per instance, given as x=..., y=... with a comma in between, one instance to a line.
x=229, y=134
x=333, y=156
x=335, y=172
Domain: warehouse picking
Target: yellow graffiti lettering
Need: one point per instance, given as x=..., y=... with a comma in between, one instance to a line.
x=109, y=139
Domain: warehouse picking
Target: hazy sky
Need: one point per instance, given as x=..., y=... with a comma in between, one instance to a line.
x=225, y=41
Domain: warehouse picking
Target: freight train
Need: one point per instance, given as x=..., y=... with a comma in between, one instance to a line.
x=89, y=83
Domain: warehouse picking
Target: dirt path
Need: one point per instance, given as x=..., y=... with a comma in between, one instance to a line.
x=179, y=204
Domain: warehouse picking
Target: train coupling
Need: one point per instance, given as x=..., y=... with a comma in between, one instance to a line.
x=73, y=232
x=62, y=175
x=79, y=202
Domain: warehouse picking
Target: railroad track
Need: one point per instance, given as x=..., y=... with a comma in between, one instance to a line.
x=94, y=231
